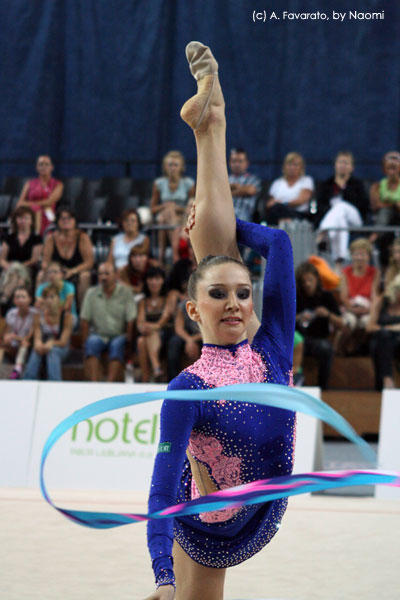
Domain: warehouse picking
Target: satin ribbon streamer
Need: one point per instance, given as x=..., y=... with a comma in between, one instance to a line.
x=266, y=394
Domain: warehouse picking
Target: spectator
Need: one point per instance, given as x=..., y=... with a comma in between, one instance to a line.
x=317, y=312
x=359, y=287
x=186, y=341
x=17, y=334
x=72, y=249
x=134, y=273
x=170, y=196
x=384, y=325
x=20, y=253
x=51, y=336
x=385, y=194
x=54, y=276
x=181, y=241
x=130, y=237
x=42, y=194
x=109, y=309
x=180, y=273
x=385, y=202
x=154, y=314
x=290, y=195
x=298, y=351
x=244, y=186
x=341, y=202
x=394, y=262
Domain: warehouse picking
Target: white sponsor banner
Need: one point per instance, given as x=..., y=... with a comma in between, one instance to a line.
x=389, y=441
x=309, y=440
x=114, y=450
x=17, y=418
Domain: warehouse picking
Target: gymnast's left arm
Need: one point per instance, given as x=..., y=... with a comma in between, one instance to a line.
x=279, y=289
x=176, y=423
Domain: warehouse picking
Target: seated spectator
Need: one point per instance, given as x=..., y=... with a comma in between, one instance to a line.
x=317, y=312
x=181, y=240
x=17, y=334
x=170, y=196
x=359, y=287
x=54, y=276
x=180, y=273
x=51, y=336
x=72, y=249
x=154, y=315
x=134, y=273
x=394, y=263
x=298, y=351
x=42, y=194
x=330, y=279
x=109, y=310
x=130, y=237
x=290, y=195
x=20, y=254
x=186, y=341
x=385, y=202
x=341, y=202
x=245, y=187
x=384, y=325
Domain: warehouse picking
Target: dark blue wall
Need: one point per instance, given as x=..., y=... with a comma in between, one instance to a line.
x=99, y=84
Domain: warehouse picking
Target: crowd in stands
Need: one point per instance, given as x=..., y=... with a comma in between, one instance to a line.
x=126, y=304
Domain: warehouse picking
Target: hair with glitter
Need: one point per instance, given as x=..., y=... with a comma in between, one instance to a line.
x=206, y=263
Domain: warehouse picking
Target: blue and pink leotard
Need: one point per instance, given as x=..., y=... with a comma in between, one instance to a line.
x=236, y=442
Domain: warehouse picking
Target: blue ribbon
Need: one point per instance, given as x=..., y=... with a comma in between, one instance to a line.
x=266, y=394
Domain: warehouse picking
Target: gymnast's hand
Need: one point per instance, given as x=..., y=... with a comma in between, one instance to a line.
x=164, y=592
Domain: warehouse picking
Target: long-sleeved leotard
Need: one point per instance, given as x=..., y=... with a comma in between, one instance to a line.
x=236, y=442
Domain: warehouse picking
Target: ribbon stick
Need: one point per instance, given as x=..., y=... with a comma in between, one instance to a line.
x=266, y=394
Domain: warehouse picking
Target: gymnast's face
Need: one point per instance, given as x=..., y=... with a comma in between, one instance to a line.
x=224, y=304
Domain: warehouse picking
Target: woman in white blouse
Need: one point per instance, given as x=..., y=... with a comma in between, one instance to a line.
x=289, y=196
x=130, y=236
x=170, y=197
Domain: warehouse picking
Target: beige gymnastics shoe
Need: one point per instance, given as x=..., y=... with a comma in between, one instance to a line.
x=197, y=110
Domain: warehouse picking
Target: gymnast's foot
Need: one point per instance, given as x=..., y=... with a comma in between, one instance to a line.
x=207, y=107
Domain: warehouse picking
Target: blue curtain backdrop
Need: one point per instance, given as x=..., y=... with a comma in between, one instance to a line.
x=99, y=84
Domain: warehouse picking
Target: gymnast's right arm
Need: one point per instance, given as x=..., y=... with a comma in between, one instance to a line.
x=176, y=424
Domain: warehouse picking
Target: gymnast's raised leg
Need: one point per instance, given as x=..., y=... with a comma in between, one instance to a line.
x=214, y=228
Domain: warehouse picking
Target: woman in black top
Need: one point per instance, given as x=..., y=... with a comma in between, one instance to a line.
x=384, y=324
x=154, y=314
x=20, y=253
x=317, y=311
x=72, y=249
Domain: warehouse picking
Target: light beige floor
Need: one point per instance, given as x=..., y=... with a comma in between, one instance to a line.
x=327, y=549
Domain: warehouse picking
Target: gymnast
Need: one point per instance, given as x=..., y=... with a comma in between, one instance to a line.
x=207, y=446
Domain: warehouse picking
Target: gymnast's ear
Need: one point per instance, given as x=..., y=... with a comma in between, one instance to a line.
x=192, y=311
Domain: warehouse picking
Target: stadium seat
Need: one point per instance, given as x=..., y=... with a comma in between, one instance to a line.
x=91, y=190
x=116, y=186
x=5, y=201
x=13, y=184
x=73, y=190
x=90, y=210
x=143, y=188
x=116, y=205
x=13, y=204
